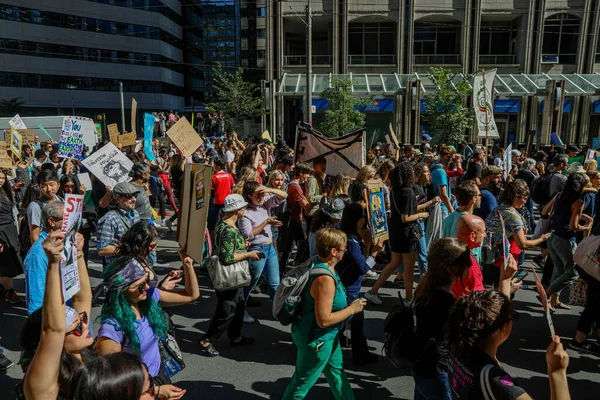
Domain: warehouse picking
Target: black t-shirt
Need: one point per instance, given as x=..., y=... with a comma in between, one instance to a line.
x=404, y=201
x=478, y=376
x=473, y=171
x=527, y=176
x=432, y=315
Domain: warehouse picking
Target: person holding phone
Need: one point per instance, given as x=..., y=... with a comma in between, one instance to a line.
x=323, y=310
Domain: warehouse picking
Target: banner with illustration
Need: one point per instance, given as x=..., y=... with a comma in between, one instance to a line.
x=377, y=210
x=483, y=100
x=109, y=165
x=69, y=273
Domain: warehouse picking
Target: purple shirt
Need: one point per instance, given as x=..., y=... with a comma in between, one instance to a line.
x=148, y=340
x=254, y=216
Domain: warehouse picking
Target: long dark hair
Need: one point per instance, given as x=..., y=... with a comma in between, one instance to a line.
x=402, y=176
x=475, y=317
x=71, y=178
x=352, y=213
x=32, y=193
x=136, y=241
x=7, y=190
x=112, y=376
x=448, y=258
x=572, y=191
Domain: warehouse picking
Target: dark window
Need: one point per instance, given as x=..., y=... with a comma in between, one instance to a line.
x=561, y=34
x=372, y=38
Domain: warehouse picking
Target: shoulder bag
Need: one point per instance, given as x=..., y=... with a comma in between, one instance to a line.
x=230, y=276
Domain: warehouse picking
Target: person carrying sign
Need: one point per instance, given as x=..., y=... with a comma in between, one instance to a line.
x=116, y=222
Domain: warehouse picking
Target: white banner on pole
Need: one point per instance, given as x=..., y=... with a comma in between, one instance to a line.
x=507, y=161
x=483, y=100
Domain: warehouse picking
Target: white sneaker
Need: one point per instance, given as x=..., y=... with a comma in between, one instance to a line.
x=248, y=319
x=169, y=224
x=370, y=274
x=373, y=298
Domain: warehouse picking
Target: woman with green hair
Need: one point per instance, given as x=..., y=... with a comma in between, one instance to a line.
x=132, y=317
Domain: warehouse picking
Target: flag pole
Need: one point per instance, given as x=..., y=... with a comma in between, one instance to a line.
x=486, y=117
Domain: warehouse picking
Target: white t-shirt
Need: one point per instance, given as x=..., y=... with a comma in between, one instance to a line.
x=229, y=156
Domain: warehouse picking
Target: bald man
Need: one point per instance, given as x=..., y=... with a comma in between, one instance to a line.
x=470, y=229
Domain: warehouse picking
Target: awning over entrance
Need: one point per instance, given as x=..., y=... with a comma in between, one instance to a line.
x=508, y=85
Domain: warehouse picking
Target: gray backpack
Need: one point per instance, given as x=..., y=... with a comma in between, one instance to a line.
x=287, y=300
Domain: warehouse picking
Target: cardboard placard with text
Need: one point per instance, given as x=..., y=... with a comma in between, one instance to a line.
x=377, y=210
x=3, y=145
x=193, y=213
x=6, y=161
x=133, y=116
x=185, y=137
x=113, y=133
x=127, y=139
x=28, y=135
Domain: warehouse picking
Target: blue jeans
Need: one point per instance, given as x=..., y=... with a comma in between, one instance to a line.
x=437, y=388
x=421, y=255
x=531, y=216
x=268, y=266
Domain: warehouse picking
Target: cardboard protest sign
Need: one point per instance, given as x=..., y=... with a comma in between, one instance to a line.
x=544, y=300
x=17, y=123
x=16, y=142
x=109, y=165
x=596, y=143
x=6, y=161
x=3, y=146
x=193, y=213
x=133, y=117
x=590, y=156
x=69, y=273
x=113, y=133
x=139, y=144
x=85, y=180
x=395, y=139
x=127, y=139
x=28, y=135
x=149, y=121
x=71, y=138
x=377, y=210
x=185, y=137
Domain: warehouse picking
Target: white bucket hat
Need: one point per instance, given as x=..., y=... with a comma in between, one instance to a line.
x=234, y=202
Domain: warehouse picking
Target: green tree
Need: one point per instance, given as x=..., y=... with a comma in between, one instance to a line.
x=341, y=117
x=10, y=107
x=447, y=114
x=237, y=99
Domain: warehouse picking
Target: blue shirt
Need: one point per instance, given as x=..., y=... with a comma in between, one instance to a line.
x=440, y=178
x=35, y=267
x=488, y=204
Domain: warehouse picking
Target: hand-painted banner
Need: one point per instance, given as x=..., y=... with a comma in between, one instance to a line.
x=71, y=138
x=17, y=123
x=109, y=165
x=149, y=121
x=483, y=98
x=69, y=272
x=16, y=142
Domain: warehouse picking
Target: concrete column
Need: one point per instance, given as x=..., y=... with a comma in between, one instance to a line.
x=280, y=41
x=335, y=62
x=585, y=115
x=527, y=35
x=548, y=113
x=466, y=37
x=400, y=27
x=476, y=36
x=269, y=52
x=522, y=128
x=408, y=42
x=344, y=34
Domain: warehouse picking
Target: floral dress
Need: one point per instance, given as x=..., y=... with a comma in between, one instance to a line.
x=228, y=241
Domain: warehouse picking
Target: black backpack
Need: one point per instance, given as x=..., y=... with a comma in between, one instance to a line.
x=400, y=344
x=540, y=191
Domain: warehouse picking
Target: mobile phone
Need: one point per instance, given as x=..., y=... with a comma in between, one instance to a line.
x=519, y=276
x=261, y=255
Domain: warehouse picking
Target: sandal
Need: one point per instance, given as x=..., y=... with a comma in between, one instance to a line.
x=550, y=306
x=209, y=349
x=562, y=306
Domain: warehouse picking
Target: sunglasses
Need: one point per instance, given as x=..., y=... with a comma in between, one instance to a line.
x=78, y=331
x=142, y=286
x=127, y=196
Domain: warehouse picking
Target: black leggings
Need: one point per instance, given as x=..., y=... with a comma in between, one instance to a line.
x=229, y=315
x=161, y=204
x=590, y=316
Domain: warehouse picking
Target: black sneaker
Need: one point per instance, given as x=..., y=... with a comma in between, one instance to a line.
x=5, y=363
x=585, y=347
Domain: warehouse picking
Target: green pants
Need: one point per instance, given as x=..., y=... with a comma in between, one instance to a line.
x=314, y=358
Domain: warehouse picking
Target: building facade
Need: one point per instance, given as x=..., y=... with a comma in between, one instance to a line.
x=534, y=37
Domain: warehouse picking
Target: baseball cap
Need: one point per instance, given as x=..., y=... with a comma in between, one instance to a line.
x=126, y=189
x=234, y=202
x=490, y=170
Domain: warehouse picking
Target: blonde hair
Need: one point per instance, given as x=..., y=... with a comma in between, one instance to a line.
x=590, y=165
x=247, y=174
x=273, y=175
x=339, y=186
x=365, y=172
x=327, y=239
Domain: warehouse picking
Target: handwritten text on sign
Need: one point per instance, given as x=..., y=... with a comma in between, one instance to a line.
x=185, y=137
x=71, y=138
x=69, y=273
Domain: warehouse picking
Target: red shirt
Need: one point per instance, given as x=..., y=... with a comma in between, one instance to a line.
x=472, y=283
x=295, y=194
x=222, y=182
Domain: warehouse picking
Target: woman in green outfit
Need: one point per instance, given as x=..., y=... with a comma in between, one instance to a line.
x=322, y=314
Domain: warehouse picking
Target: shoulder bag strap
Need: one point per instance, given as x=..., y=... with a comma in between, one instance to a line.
x=484, y=381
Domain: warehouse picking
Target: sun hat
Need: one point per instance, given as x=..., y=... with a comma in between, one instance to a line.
x=334, y=208
x=576, y=168
x=234, y=202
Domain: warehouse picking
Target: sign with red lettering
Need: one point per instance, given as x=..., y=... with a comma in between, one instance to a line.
x=68, y=261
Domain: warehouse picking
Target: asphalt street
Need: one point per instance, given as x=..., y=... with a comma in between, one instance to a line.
x=263, y=369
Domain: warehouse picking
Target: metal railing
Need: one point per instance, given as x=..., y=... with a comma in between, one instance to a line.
x=437, y=59
x=497, y=59
x=375, y=59
x=301, y=60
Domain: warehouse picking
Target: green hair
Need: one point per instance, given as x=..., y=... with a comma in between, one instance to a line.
x=117, y=308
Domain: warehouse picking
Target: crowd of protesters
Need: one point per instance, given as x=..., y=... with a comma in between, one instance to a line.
x=443, y=207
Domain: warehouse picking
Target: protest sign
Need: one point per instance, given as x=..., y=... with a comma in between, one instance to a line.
x=193, y=213
x=507, y=161
x=483, y=92
x=596, y=143
x=28, y=135
x=69, y=273
x=149, y=121
x=139, y=145
x=127, y=139
x=266, y=136
x=544, y=299
x=16, y=142
x=113, y=133
x=17, y=123
x=185, y=137
x=6, y=161
x=71, y=138
x=3, y=146
x=377, y=210
x=133, y=117
x=84, y=179
x=109, y=165
x=591, y=155
x=396, y=144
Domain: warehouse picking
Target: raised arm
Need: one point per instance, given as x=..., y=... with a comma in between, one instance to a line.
x=82, y=301
x=41, y=379
x=191, y=291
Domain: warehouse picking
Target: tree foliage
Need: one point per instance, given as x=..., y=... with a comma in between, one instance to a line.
x=447, y=115
x=10, y=107
x=237, y=99
x=341, y=117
